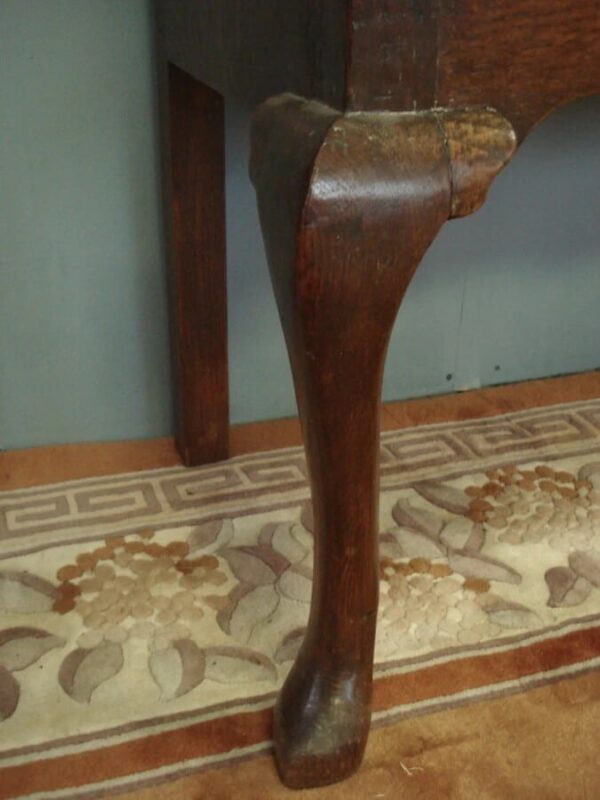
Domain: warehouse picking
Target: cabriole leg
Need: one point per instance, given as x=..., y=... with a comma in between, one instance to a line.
x=348, y=206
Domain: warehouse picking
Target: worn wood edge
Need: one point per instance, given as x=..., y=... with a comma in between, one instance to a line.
x=479, y=144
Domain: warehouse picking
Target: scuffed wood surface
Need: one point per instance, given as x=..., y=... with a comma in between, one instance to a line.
x=479, y=144
x=522, y=57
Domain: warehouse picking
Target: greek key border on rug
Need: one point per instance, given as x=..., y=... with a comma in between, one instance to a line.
x=82, y=510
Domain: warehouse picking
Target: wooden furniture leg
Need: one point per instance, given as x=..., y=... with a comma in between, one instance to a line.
x=348, y=206
x=195, y=179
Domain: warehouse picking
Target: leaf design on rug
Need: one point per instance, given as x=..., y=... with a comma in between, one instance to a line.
x=83, y=670
x=296, y=583
x=443, y=496
x=416, y=545
x=290, y=645
x=389, y=547
x=289, y=540
x=178, y=669
x=26, y=593
x=475, y=565
x=418, y=520
x=566, y=587
x=21, y=647
x=211, y=535
x=256, y=565
x=254, y=608
x=463, y=534
x=238, y=665
x=245, y=609
x=590, y=472
x=265, y=537
x=226, y=605
x=303, y=538
x=307, y=517
x=587, y=565
x=9, y=694
x=507, y=614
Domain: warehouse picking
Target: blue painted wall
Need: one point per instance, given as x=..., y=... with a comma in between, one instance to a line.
x=509, y=294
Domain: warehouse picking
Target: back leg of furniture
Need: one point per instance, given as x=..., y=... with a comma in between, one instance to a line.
x=193, y=127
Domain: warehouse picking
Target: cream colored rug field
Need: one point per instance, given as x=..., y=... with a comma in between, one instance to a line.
x=147, y=620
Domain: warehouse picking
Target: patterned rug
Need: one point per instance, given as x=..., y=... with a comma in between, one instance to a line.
x=147, y=620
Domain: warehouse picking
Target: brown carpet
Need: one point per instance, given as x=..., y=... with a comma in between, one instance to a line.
x=148, y=619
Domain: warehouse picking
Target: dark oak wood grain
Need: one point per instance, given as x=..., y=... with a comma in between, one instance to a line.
x=196, y=188
x=349, y=205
